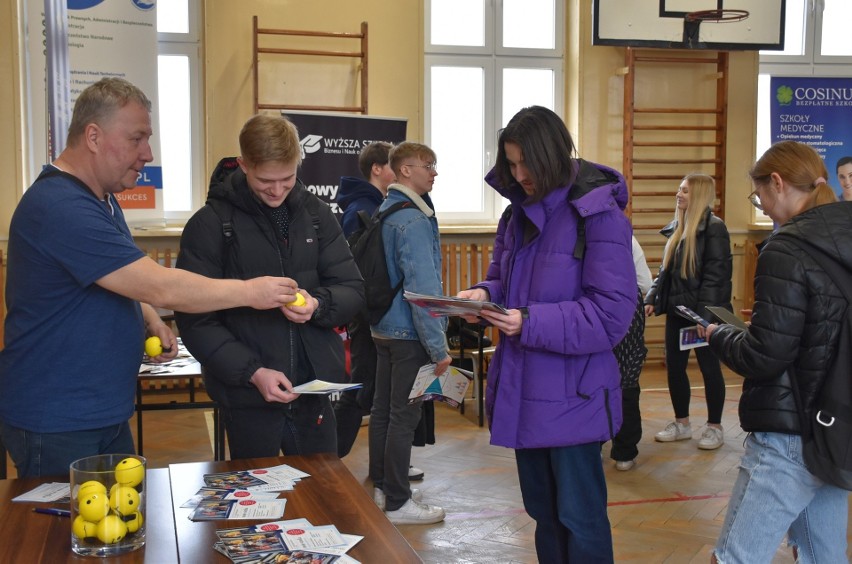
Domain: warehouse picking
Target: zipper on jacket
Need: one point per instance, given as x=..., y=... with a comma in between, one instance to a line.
x=292, y=338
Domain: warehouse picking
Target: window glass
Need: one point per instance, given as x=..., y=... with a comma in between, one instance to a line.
x=836, y=18
x=175, y=127
x=529, y=24
x=458, y=22
x=457, y=95
x=526, y=87
x=173, y=16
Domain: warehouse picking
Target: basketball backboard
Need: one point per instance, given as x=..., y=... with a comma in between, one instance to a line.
x=664, y=24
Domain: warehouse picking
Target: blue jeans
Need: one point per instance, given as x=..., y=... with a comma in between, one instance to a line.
x=51, y=454
x=775, y=494
x=564, y=491
x=392, y=420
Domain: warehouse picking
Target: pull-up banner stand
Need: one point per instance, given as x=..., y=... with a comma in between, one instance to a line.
x=331, y=144
x=816, y=111
x=74, y=43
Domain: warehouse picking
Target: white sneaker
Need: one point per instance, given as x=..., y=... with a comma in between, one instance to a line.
x=712, y=438
x=415, y=474
x=416, y=513
x=624, y=465
x=379, y=496
x=674, y=431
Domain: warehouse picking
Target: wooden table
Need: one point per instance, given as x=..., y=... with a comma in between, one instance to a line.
x=181, y=367
x=331, y=496
x=31, y=537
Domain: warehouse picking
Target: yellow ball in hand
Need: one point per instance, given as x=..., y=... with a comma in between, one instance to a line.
x=153, y=346
x=129, y=472
x=299, y=301
x=111, y=529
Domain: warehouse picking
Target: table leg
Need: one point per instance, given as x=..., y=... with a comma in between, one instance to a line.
x=139, y=417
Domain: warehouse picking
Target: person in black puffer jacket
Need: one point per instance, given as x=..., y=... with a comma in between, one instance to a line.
x=696, y=272
x=261, y=221
x=796, y=324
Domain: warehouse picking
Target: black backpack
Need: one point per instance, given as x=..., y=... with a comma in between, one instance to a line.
x=368, y=250
x=827, y=437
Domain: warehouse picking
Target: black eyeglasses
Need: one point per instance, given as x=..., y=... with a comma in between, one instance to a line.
x=432, y=167
x=755, y=200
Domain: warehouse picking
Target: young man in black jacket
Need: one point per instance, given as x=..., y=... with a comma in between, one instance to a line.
x=261, y=219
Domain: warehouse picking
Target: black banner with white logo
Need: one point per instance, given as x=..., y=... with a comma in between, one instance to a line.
x=331, y=144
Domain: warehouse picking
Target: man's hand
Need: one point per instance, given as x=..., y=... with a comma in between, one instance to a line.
x=649, y=310
x=441, y=366
x=155, y=327
x=301, y=314
x=268, y=292
x=273, y=386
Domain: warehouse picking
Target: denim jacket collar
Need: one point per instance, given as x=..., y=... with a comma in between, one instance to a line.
x=414, y=197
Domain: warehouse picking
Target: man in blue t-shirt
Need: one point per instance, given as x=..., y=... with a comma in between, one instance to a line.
x=80, y=293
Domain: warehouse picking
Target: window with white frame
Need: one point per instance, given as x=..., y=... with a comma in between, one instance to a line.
x=180, y=92
x=485, y=60
x=815, y=44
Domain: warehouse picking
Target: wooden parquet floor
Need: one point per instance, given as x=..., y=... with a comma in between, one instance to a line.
x=667, y=509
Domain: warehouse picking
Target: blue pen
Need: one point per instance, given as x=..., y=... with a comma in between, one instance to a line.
x=52, y=511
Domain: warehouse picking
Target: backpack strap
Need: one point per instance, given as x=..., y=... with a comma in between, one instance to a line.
x=381, y=217
x=226, y=218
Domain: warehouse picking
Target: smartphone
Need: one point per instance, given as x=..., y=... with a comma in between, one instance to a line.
x=687, y=313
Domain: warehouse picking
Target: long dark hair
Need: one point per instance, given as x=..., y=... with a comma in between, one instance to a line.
x=547, y=148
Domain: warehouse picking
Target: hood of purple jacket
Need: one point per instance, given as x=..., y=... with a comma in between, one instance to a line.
x=557, y=383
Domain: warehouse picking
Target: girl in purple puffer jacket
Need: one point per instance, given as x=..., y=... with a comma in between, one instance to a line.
x=563, y=269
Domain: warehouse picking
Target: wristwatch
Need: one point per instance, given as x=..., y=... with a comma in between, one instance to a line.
x=525, y=312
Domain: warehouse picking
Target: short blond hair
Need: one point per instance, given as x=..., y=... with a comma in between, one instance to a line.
x=268, y=138
x=407, y=150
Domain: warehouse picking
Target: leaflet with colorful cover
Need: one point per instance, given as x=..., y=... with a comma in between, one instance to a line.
x=450, y=387
x=439, y=306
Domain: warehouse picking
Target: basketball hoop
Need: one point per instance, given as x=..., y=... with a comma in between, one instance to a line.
x=693, y=20
x=717, y=16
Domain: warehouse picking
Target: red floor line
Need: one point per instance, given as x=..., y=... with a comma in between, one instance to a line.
x=669, y=499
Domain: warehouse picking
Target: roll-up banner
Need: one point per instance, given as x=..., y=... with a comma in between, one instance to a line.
x=331, y=144
x=99, y=39
x=816, y=112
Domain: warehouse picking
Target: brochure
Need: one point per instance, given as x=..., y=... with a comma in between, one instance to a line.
x=215, y=509
x=323, y=387
x=690, y=315
x=254, y=543
x=53, y=491
x=450, y=387
x=689, y=339
x=439, y=306
x=226, y=493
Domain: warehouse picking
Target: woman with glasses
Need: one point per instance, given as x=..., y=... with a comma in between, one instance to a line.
x=783, y=357
x=695, y=272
